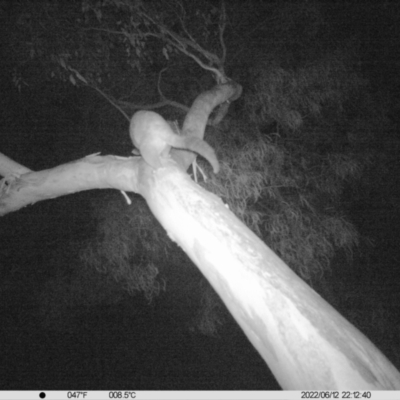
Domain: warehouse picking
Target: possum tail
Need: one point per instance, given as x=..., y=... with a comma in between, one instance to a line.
x=197, y=146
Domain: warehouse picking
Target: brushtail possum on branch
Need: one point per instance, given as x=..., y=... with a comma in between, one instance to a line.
x=153, y=137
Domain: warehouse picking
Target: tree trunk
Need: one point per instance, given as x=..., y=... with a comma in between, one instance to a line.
x=306, y=343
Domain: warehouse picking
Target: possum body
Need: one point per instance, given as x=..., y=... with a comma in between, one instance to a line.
x=153, y=137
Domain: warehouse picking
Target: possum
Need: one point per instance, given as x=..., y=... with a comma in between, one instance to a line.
x=153, y=137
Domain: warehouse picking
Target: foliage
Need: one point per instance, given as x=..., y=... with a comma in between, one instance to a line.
x=291, y=97
x=298, y=144
x=286, y=170
x=210, y=315
x=125, y=246
x=131, y=247
x=302, y=148
x=114, y=47
x=291, y=204
x=286, y=164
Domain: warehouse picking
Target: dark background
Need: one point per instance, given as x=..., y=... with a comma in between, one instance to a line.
x=140, y=346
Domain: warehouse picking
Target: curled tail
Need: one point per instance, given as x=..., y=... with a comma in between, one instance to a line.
x=198, y=146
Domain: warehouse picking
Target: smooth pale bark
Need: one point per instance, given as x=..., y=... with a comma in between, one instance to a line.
x=22, y=186
x=306, y=343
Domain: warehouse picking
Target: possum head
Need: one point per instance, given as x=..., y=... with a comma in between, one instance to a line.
x=153, y=137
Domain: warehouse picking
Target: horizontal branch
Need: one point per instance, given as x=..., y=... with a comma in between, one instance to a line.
x=91, y=172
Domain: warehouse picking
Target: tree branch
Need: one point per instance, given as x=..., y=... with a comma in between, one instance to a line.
x=215, y=64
